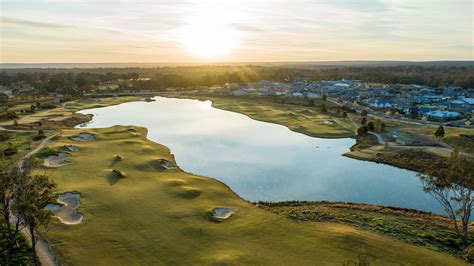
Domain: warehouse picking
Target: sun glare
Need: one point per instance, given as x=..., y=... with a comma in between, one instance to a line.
x=208, y=36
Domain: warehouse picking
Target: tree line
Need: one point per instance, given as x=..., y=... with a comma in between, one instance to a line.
x=76, y=81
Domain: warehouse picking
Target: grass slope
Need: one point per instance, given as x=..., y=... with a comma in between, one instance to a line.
x=157, y=216
x=420, y=228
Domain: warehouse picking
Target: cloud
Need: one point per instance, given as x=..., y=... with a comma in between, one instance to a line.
x=245, y=28
x=28, y=23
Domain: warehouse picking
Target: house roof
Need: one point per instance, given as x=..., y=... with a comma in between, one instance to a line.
x=442, y=114
x=468, y=100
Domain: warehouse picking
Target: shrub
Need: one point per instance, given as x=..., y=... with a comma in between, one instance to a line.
x=118, y=173
x=371, y=126
x=46, y=152
x=362, y=130
x=10, y=151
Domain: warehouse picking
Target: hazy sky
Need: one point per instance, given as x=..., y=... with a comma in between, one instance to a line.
x=227, y=30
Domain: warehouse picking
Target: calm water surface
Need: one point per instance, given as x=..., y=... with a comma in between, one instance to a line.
x=263, y=161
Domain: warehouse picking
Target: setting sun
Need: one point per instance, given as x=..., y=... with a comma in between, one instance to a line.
x=208, y=36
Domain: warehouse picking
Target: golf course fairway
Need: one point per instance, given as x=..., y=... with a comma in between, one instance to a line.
x=152, y=214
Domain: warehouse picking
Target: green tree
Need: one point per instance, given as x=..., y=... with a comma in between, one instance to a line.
x=363, y=121
x=324, y=108
x=325, y=97
x=7, y=188
x=382, y=126
x=453, y=188
x=33, y=193
x=363, y=113
x=362, y=130
x=439, y=133
x=311, y=102
x=344, y=115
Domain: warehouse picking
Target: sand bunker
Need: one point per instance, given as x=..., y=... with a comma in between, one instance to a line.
x=222, y=213
x=66, y=211
x=57, y=160
x=326, y=122
x=71, y=147
x=83, y=137
x=166, y=164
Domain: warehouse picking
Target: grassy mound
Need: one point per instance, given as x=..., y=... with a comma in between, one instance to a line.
x=188, y=192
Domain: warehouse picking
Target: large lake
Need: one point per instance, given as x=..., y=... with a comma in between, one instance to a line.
x=263, y=161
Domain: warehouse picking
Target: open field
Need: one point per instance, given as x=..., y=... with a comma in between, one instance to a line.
x=157, y=215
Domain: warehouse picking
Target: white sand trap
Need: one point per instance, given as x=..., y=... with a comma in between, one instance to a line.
x=57, y=160
x=66, y=211
x=326, y=122
x=222, y=213
x=71, y=148
x=83, y=137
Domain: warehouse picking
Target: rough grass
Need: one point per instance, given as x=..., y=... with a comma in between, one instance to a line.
x=463, y=143
x=19, y=140
x=416, y=227
x=140, y=219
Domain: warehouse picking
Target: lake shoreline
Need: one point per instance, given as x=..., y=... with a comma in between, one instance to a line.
x=354, y=152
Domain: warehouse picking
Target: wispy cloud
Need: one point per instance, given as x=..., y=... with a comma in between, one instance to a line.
x=7, y=21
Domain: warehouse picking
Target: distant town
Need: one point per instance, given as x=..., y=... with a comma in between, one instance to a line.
x=451, y=104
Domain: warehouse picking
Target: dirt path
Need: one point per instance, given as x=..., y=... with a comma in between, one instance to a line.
x=43, y=249
x=43, y=144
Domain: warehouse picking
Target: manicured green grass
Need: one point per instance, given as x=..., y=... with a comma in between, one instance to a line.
x=157, y=216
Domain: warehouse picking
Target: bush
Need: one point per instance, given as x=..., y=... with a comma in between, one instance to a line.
x=10, y=151
x=48, y=106
x=371, y=126
x=362, y=130
x=4, y=137
x=46, y=152
x=118, y=173
x=11, y=115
